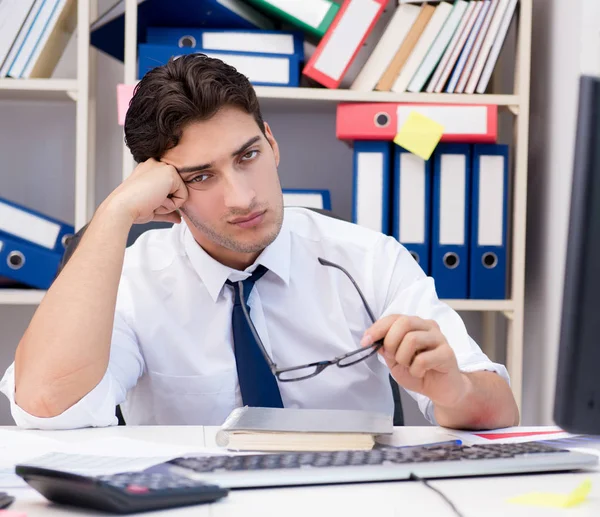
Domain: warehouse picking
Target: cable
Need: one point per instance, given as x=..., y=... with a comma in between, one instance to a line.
x=414, y=477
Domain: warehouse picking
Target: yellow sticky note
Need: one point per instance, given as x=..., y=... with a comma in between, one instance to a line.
x=576, y=497
x=419, y=134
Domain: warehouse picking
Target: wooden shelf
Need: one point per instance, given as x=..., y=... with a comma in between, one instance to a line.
x=21, y=296
x=273, y=94
x=481, y=305
x=287, y=96
x=34, y=297
x=38, y=89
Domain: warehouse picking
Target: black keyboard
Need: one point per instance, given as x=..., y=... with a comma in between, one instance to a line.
x=377, y=456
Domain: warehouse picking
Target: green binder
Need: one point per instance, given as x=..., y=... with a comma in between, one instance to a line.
x=311, y=16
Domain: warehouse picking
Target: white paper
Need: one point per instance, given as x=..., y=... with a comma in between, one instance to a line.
x=94, y=457
x=539, y=433
x=95, y=465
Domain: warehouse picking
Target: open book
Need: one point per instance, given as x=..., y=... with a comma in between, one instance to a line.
x=274, y=429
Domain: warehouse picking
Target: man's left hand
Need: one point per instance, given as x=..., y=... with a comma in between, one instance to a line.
x=419, y=358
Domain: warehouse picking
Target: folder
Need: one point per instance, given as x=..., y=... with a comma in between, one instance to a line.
x=261, y=69
x=451, y=217
x=412, y=205
x=34, y=227
x=237, y=40
x=46, y=17
x=489, y=222
x=13, y=15
x=309, y=198
x=496, y=47
x=108, y=31
x=27, y=263
x=446, y=64
x=438, y=47
x=338, y=48
x=406, y=48
x=394, y=35
x=53, y=41
x=419, y=52
x=473, y=56
x=311, y=16
x=468, y=48
x=382, y=121
x=371, y=183
x=486, y=46
x=20, y=39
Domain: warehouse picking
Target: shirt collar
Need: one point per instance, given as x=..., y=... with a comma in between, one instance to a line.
x=276, y=257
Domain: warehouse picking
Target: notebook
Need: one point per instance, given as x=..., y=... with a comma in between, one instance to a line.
x=276, y=429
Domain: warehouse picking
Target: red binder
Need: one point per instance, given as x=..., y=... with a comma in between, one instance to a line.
x=346, y=35
x=469, y=123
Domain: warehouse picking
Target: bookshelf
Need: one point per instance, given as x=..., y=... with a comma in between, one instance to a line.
x=79, y=91
x=517, y=104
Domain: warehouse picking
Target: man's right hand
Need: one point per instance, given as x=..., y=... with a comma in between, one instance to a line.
x=153, y=192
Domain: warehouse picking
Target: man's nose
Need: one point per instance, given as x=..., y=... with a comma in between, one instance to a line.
x=239, y=193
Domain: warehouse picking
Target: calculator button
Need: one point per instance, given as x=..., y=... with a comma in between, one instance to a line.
x=137, y=489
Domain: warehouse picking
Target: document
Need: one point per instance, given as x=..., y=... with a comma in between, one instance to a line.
x=93, y=457
x=512, y=435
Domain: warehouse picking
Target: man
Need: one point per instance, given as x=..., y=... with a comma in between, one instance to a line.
x=161, y=327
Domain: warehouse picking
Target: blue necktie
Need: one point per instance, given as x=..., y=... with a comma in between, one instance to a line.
x=257, y=383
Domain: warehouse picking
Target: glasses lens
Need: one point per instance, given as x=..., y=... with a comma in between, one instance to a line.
x=299, y=374
x=358, y=356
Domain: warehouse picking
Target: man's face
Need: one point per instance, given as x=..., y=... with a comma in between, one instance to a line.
x=235, y=204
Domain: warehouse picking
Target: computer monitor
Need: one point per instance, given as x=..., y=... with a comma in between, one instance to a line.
x=577, y=395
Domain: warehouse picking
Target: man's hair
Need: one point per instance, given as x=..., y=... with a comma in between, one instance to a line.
x=187, y=89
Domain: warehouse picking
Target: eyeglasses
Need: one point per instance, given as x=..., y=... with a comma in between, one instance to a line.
x=306, y=371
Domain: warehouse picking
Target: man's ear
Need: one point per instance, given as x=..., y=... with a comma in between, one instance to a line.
x=272, y=142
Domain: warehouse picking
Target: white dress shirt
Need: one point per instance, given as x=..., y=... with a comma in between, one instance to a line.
x=172, y=359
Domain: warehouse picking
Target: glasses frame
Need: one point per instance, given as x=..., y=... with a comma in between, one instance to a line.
x=319, y=366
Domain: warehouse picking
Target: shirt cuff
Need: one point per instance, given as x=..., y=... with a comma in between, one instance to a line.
x=96, y=409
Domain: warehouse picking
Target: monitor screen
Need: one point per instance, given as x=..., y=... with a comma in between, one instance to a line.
x=577, y=395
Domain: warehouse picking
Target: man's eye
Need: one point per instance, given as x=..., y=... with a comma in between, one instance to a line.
x=250, y=155
x=199, y=179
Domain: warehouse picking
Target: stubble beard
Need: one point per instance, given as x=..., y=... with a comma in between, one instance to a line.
x=232, y=244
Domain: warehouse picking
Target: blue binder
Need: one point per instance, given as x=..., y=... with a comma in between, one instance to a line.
x=451, y=217
x=27, y=263
x=412, y=205
x=33, y=227
x=261, y=69
x=312, y=198
x=489, y=222
x=108, y=31
x=236, y=40
x=371, y=184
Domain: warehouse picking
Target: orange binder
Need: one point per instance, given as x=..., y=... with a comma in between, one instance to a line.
x=469, y=123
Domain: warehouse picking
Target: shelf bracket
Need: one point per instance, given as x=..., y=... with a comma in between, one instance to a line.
x=508, y=315
x=72, y=94
x=513, y=108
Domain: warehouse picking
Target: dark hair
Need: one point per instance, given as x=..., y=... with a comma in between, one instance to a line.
x=189, y=88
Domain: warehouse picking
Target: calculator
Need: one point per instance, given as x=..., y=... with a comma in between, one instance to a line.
x=123, y=493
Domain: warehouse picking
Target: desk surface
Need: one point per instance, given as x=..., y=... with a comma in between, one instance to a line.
x=472, y=496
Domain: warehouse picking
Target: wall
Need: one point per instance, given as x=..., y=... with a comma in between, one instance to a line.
x=566, y=41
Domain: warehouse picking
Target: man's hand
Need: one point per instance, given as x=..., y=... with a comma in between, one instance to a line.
x=419, y=358
x=153, y=192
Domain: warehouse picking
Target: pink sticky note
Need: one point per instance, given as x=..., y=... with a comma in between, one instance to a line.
x=10, y=513
x=124, y=94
